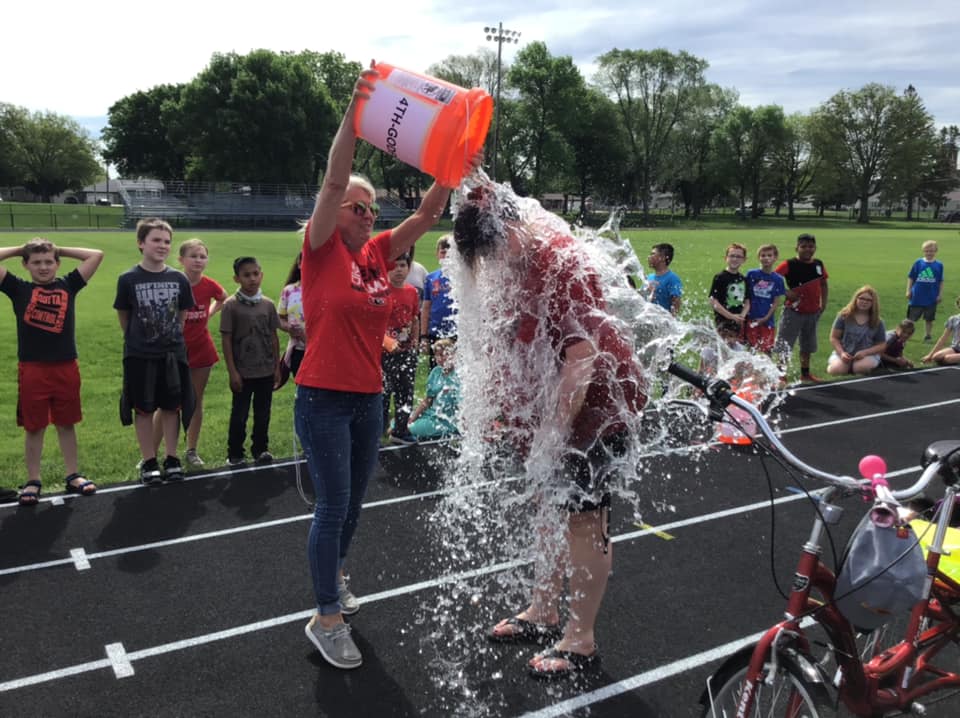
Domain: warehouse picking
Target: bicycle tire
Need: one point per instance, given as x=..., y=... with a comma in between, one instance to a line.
x=771, y=700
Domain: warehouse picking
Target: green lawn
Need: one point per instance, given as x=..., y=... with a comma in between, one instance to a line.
x=33, y=215
x=879, y=255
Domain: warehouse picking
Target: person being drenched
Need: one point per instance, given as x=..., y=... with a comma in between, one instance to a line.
x=558, y=374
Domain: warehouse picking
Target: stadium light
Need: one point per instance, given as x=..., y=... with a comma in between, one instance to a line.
x=499, y=35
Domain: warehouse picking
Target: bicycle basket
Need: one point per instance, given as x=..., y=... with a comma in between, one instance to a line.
x=882, y=575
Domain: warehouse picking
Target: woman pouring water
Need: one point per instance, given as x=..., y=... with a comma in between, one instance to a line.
x=338, y=412
x=570, y=392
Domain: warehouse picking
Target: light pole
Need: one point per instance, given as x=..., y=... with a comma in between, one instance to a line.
x=499, y=35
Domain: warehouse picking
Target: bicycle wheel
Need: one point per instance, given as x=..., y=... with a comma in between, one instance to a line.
x=787, y=696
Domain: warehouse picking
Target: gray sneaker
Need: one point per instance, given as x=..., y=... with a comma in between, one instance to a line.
x=335, y=644
x=192, y=458
x=349, y=604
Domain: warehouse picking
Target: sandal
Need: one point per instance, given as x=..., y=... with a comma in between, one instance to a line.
x=84, y=488
x=575, y=663
x=31, y=498
x=525, y=632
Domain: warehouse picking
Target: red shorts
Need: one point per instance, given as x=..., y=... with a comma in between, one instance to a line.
x=760, y=337
x=49, y=394
x=203, y=353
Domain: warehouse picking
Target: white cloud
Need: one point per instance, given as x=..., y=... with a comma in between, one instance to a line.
x=87, y=57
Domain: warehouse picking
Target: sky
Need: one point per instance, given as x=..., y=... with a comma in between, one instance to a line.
x=78, y=60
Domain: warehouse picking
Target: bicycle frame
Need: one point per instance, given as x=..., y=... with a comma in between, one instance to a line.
x=891, y=679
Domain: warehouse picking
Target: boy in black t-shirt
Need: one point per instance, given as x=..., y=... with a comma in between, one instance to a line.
x=728, y=293
x=152, y=301
x=48, y=373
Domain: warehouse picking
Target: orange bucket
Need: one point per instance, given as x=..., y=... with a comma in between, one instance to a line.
x=425, y=122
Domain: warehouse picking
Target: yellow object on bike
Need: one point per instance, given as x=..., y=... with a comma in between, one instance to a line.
x=950, y=565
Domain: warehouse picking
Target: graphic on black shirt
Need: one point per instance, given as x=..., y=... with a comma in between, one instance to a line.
x=157, y=310
x=47, y=309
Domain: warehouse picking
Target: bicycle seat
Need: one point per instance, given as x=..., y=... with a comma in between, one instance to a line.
x=937, y=451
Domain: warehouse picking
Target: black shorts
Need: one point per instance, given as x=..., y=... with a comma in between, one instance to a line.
x=149, y=385
x=589, y=473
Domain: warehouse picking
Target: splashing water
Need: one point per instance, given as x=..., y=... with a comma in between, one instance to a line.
x=520, y=303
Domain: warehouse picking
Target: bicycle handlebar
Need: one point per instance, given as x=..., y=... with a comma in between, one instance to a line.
x=720, y=395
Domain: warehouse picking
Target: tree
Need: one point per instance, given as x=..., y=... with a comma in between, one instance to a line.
x=336, y=73
x=914, y=162
x=653, y=89
x=547, y=87
x=595, y=139
x=694, y=157
x=863, y=135
x=11, y=162
x=477, y=70
x=136, y=141
x=262, y=117
x=50, y=153
x=943, y=177
x=793, y=162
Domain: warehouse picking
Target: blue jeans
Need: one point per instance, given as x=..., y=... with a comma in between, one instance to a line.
x=340, y=434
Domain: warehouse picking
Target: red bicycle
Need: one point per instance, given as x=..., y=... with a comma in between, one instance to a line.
x=794, y=673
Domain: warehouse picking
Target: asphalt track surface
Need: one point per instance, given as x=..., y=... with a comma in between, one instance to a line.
x=190, y=599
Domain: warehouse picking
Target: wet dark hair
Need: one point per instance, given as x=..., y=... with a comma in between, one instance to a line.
x=474, y=229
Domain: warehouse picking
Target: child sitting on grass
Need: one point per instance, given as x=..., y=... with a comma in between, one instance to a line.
x=436, y=416
x=892, y=357
x=947, y=348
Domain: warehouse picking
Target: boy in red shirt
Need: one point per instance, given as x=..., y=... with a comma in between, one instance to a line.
x=806, y=280
x=400, y=350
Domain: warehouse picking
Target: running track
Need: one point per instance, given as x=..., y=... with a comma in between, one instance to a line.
x=189, y=600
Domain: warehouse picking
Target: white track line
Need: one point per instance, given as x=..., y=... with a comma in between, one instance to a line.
x=372, y=598
x=402, y=499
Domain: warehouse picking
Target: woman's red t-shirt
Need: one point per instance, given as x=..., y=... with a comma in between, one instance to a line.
x=201, y=351
x=346, y=305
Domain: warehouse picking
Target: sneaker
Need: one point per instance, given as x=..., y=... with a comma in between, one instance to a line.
x=349, y=605
x=927, y=339
x=335, y=644
x=172, y=469
x=150, y=473
x=405, y=439
x=235, y=461
x=192, y=458
x=265, y=458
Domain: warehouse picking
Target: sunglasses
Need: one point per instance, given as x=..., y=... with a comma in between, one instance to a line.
x=360, y=208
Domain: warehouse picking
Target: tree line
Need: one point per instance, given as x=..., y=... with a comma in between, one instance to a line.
x=647, y=122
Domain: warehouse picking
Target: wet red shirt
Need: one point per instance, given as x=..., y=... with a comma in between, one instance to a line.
x=564, y=304
x=346, y=305
x=405, y=306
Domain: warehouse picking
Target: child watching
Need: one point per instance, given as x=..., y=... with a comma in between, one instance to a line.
x=400, y=351
x=209, y=296
x=436, y=415
x=152, y=302
x=807, y=295
x=947, y=348
x=892, y=357
x=248, y=326
x=858, y=336
x=290, y=313
x=48, y=372
x=765, y=290
x=665, y=287
x=438, y=316
x=728, y=293
x=924, y=285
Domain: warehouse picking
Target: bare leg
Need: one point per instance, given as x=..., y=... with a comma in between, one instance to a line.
x=199, y=378
x=33, y=448
x=157, y=432
x=170, y=420
x=143, y=423
x=67, y=436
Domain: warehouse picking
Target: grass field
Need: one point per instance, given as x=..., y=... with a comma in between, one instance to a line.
x=879, y=255
x=32, y=215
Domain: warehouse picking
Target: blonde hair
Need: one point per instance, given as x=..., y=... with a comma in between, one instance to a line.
x=929, y=244
x=735, y=245
x=851, y=306
x=358, y=180
x=768, y=248
x=447, y=345
x=192, y=244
